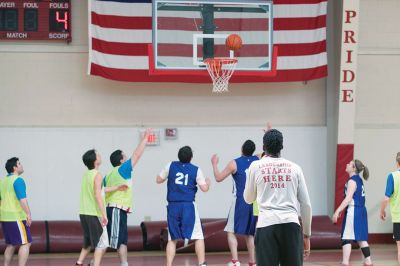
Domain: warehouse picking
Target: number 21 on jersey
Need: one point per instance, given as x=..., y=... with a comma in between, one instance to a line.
x=179, y=178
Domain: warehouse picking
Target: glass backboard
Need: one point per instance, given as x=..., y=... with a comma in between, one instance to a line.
x=186, y=32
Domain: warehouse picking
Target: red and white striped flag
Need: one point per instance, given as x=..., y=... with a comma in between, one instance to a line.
x=120, y=31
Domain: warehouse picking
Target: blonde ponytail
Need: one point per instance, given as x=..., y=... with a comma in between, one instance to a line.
x=360, y=167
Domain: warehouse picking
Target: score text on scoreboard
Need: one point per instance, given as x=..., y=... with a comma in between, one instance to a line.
x=35, y=20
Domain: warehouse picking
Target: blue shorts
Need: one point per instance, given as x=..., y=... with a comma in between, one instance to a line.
x=16, y=233
x=183, y=221
x=241, y=219
x=355, y=223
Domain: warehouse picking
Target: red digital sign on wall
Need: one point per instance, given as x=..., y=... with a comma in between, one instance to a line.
x=35, y=20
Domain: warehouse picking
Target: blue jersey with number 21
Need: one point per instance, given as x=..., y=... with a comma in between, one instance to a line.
x=182, y=184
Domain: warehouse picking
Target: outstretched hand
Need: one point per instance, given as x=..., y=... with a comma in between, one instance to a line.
x=268, y=127
x=214, y=159
x=147, y=133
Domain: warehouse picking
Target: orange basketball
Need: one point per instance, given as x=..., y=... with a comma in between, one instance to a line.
x=233, y=42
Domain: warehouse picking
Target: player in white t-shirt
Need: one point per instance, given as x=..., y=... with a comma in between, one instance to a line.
x=279, y=187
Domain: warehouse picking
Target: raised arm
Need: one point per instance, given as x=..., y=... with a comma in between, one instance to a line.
x=99, y=198
x=229, y=169
x=351, y=188
x=138, y=152
x=267, y=127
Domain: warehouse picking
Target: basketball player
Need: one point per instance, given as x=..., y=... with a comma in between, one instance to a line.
x=182, y=215
x=92, y=211
x=355, y=223
x=119, y=202
x=392, y=196
x=15, y=213
x=255, y=205
x=279, y=187
x=241, y=220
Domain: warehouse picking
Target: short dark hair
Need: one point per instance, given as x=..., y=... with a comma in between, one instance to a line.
x=10, y=164
x=273, y=142
x=185, y=154
x=89, y=158
x=115, y=158
x=248, y=148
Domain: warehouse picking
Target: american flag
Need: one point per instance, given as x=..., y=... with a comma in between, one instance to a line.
x=120, y=31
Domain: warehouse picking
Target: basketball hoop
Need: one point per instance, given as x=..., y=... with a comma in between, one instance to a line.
x=220, y=70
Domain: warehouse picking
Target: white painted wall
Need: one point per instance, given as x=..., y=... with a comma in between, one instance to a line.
x=378, y=94
x=53, y=166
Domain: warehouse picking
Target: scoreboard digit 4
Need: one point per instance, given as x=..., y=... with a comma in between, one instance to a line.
x=35, y=20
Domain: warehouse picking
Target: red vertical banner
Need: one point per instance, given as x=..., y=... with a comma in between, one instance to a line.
x=345, y=153
x=347, y=94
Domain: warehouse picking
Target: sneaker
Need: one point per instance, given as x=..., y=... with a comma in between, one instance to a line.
x=252, y=264
x=203, y=264
x=234, y=263
x=341, y=264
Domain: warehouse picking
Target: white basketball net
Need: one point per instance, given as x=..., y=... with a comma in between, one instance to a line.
x=220, y=70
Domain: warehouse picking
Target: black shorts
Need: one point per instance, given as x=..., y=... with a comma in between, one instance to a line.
x=94, y=234
x=279, y=244
x=117, y=227
x=396, y=231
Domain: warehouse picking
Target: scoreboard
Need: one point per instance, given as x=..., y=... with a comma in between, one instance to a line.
x=35, y=20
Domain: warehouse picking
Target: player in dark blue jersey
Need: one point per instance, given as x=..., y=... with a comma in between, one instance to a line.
x=355, y=223
x=183, y=218
x=241, y=220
